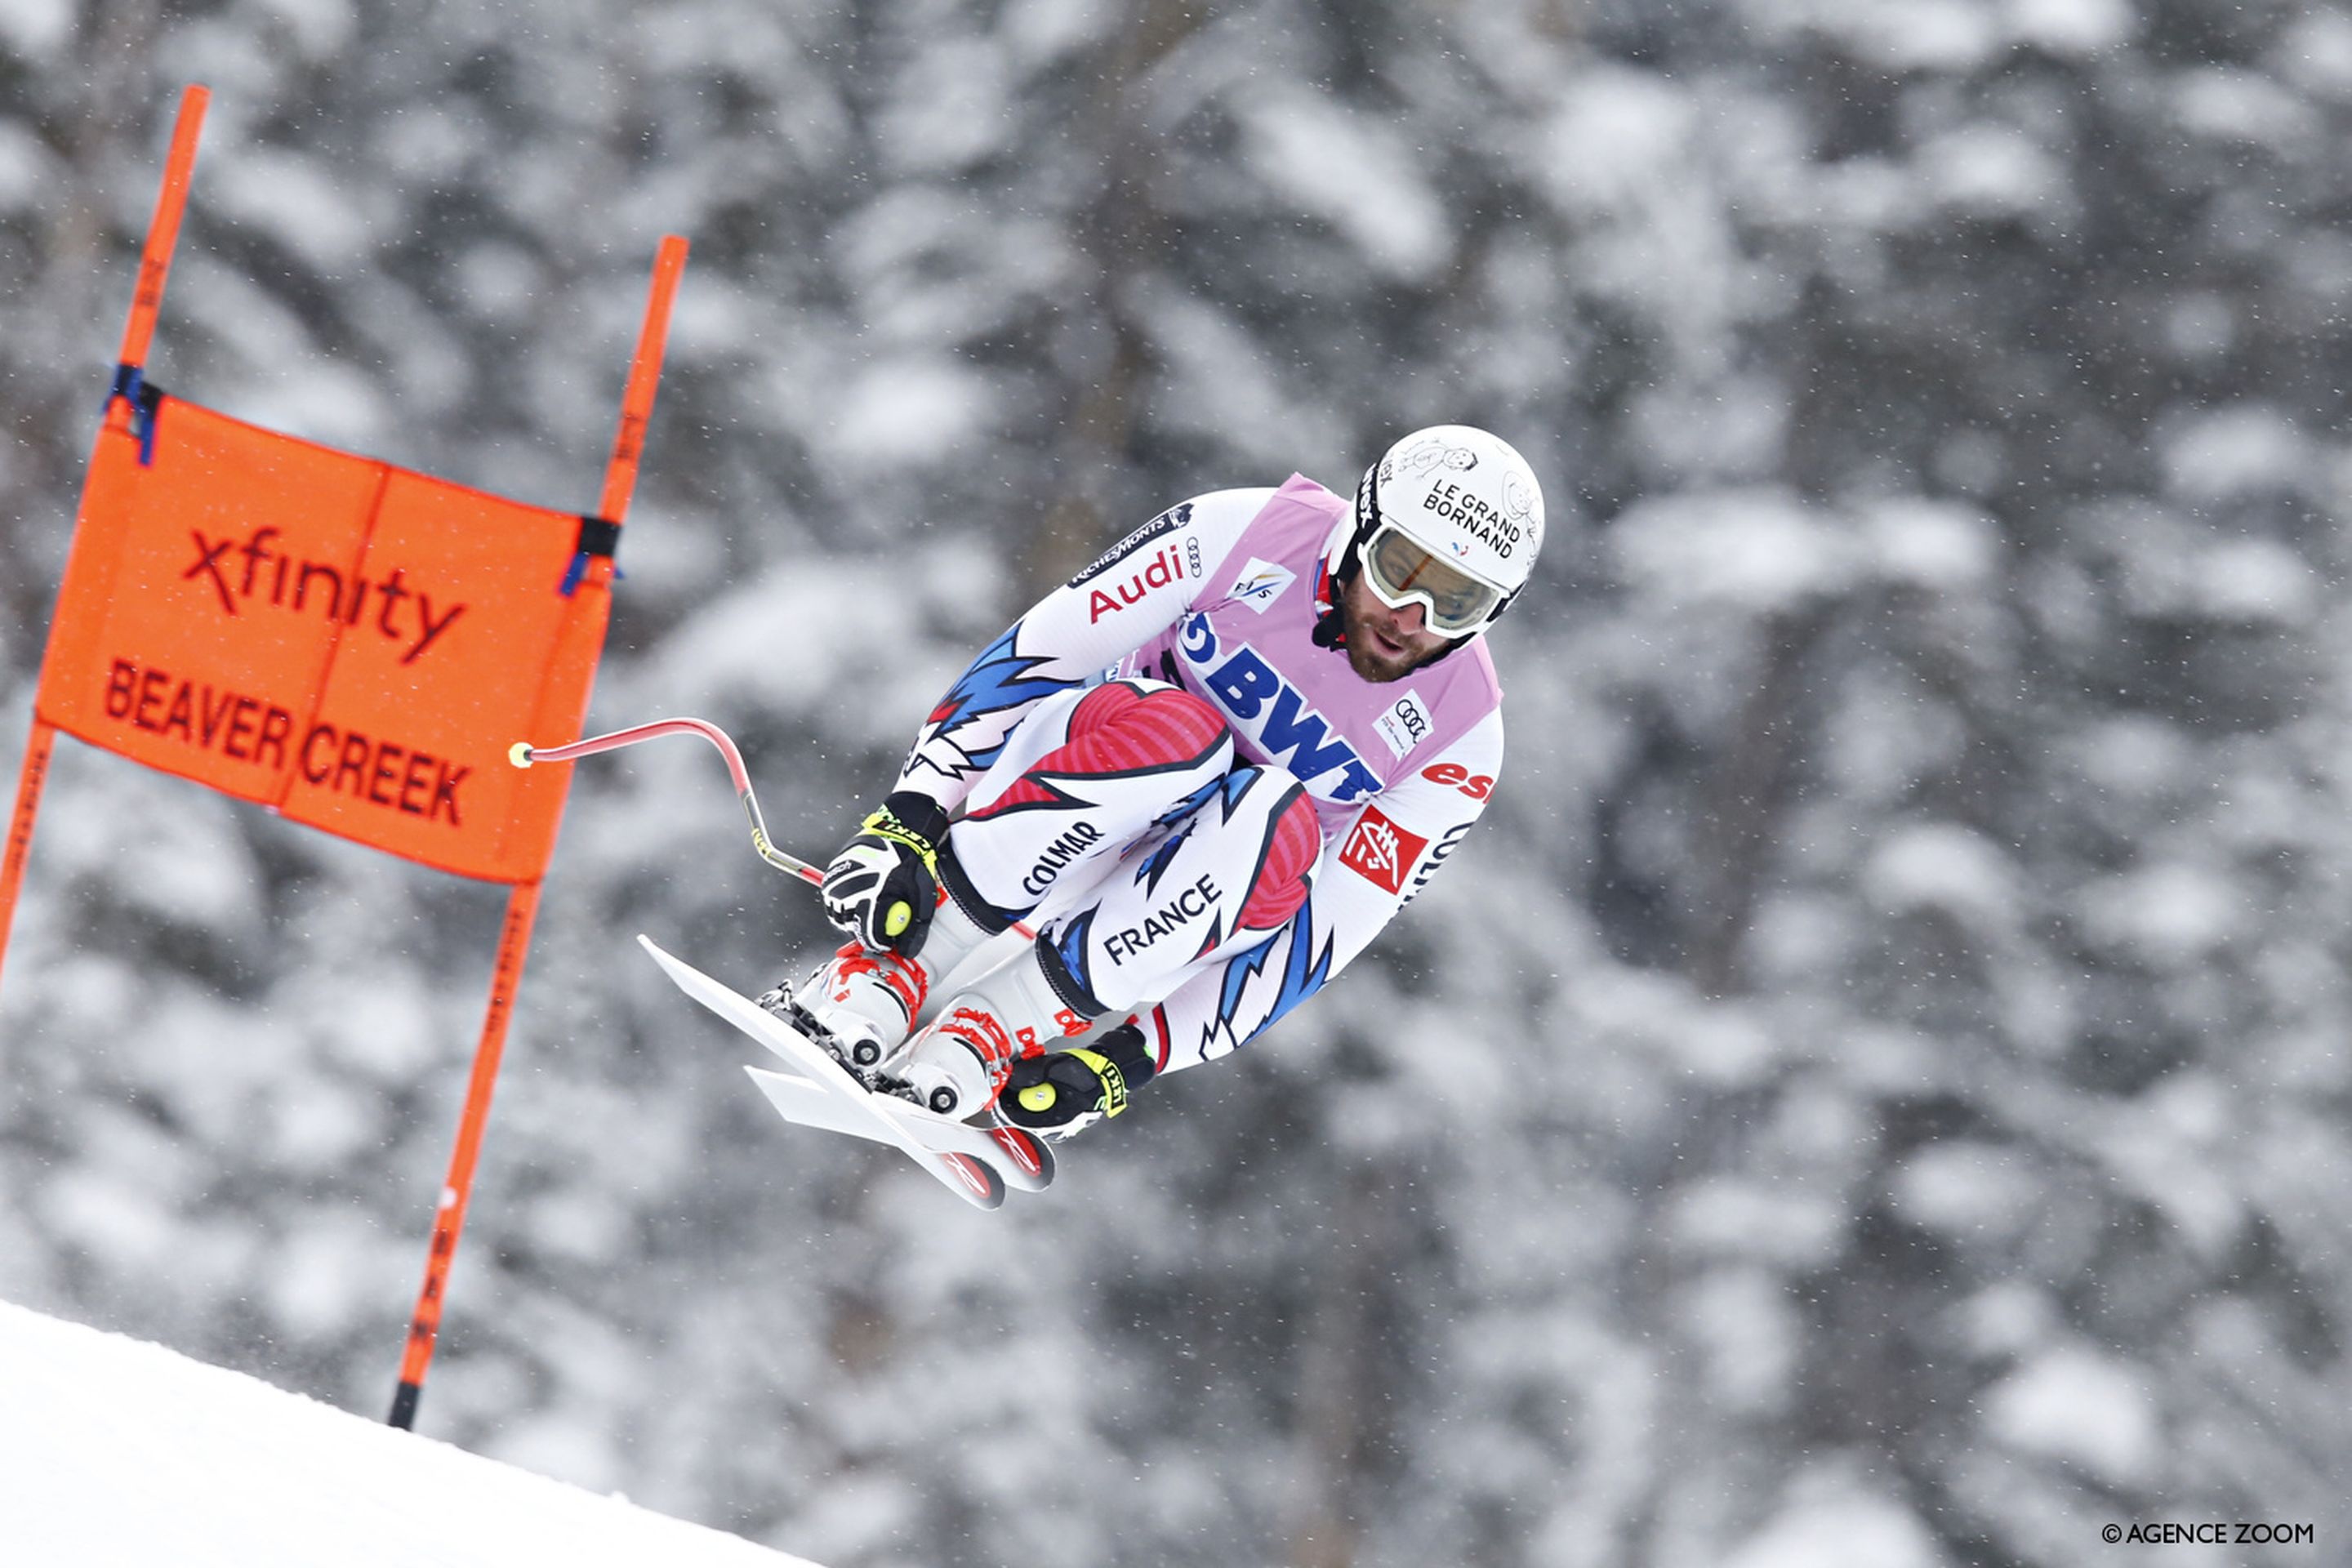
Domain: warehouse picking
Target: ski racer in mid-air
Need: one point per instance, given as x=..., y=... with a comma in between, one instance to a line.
x=1200, y=777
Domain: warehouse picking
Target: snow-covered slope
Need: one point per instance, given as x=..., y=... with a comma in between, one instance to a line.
x=117, y=1453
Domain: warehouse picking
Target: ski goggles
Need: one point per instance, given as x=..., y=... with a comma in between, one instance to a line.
x=1402, y=572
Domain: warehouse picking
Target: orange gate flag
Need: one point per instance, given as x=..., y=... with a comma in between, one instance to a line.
x=349, y=643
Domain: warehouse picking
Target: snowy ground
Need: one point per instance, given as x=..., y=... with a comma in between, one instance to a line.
x=117, y=1453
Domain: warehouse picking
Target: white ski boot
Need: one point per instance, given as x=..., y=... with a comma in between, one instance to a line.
x=957, y=1064
x=862, y=1003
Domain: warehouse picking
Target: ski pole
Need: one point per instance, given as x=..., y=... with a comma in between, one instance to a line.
x=522, y=755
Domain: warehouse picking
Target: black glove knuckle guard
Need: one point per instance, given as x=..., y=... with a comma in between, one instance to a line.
x=892, y=862
x=1091, y=1080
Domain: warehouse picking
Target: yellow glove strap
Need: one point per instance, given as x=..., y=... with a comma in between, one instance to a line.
x=1113, y=1081
x=885, y=824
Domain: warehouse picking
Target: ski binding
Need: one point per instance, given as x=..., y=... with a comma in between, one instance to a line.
x=976, y=1164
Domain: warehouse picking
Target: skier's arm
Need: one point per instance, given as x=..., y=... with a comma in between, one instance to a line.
x=1363, y=877
x=1139, y=587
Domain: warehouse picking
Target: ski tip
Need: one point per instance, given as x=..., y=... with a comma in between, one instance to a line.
x=976, y=1181
x=1030, y=1155
x=679, y=972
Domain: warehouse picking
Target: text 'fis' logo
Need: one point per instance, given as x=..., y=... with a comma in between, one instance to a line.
x=1261, y=584
x=242, y=573
x=1270, y=711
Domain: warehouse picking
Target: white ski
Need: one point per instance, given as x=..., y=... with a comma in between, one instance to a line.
x=1025, y=1163
x=976, y=1164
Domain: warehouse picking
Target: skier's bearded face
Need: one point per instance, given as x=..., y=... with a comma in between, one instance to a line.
x=1384, y=645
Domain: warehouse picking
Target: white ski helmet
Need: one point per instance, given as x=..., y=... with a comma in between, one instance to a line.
x=1450, y=518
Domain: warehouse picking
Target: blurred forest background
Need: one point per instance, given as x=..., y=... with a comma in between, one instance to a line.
x=1873, y=1092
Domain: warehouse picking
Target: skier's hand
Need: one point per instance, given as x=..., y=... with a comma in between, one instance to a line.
x=884, y=884
x=1062, y=1092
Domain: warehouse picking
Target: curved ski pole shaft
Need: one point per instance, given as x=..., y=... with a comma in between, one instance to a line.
x=522, y=755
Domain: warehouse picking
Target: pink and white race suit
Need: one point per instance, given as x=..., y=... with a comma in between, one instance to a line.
x=1203, y=812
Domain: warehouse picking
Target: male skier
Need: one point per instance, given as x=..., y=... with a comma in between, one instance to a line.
x=1200, y=776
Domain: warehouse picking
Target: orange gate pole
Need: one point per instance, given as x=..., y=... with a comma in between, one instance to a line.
x=522, y=904
x=163, y=233
x=138, y=333
x=20, y=827
x=644, y=371
x=449, y=1214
